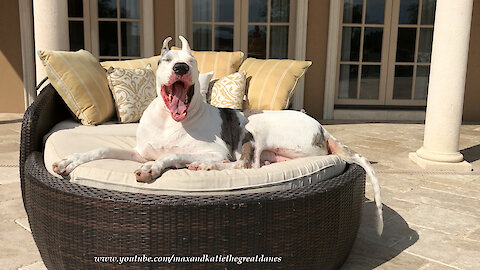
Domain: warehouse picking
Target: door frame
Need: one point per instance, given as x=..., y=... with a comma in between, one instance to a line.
x=333, y=52
x=181, y=28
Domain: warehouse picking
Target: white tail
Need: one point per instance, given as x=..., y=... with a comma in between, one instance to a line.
x=350, y=156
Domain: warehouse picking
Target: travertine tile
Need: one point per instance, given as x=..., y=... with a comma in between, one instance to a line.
x=446, y=248
x=18, y=248
x=441, y=219
x=370, y=255
x=34, y=266
x=10, y=192
x=474, y=234
x=9, y=175
x=11, y=210
x=23, y=222
x=445, y=200
x=395, y=228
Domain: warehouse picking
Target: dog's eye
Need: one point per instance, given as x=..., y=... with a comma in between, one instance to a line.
x=166, y=59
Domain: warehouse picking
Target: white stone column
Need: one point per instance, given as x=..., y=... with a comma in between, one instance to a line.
x=440, y=150
x=51, y=29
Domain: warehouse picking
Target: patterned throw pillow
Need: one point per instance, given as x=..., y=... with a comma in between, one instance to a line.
x=133, y=90
x=228, y=91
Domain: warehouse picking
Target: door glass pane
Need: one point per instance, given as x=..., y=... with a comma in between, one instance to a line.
x=425, y=45
x=129, y=9
x=202, y=10
x=224, y=38
x=279, y=42
x=421, y=82
x=369, y=85
x=280, y=10
x=372, y=44
x=257, y=40
x=428, y=11
x=408, y=12
x=402, y=86
x=224, y=10
x=347, y=86
x=107, y=8
x=130, y=39
x=75, y=8
x=107, y=36
x=202, y=37
x=75, y=30
x=350, y=43
x=352, y=11
x=257, y=10
x=375, y=11
x=406, y=44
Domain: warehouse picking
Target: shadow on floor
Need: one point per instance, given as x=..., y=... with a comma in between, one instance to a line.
x=370, y=250
x=11, y=121
x=471, y=153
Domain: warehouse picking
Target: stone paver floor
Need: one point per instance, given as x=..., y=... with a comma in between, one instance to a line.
x=432, y=220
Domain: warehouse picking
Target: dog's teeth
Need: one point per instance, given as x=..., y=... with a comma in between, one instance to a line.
x=170, y=97
x=185, y=113
x=186, y=99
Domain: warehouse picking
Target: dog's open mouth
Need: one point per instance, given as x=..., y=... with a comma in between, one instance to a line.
x=177, y=96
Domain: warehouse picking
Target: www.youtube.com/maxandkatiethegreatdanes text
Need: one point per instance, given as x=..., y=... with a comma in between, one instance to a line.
x=205, y=258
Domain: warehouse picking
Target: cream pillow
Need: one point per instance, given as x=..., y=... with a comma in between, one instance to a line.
x=272, y=82
x=132, y=64
x=133, y=90
x=80, y=80
x=204, y=81
x=228, y=91
x=222, y=63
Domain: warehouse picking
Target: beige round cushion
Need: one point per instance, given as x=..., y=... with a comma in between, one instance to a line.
x=69, y=137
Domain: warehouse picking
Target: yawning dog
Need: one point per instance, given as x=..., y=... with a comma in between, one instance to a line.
x=180, y=130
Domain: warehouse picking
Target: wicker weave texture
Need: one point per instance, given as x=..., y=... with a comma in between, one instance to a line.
x=310, y=227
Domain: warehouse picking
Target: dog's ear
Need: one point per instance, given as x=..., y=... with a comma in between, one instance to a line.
x=185, y=45
x=165, y=48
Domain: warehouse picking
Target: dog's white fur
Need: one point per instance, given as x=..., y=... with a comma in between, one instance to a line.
x=197, y=141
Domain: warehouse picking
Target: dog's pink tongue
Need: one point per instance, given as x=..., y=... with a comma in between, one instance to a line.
x=177, y=106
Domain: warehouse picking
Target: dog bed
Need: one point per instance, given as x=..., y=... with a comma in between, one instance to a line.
x=309, y=225
x=118, y=174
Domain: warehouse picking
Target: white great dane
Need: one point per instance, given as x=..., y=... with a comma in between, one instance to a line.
x=180, y=130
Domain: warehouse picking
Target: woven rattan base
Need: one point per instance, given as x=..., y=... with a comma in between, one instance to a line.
x=311, y=227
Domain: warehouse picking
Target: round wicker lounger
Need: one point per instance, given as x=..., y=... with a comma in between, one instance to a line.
x=310, y=227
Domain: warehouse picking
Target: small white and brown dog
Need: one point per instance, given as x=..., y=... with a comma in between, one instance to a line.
x=180, y=130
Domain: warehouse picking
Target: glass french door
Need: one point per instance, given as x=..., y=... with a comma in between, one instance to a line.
x=385, y=52
x=110, y=29
x=260, y=28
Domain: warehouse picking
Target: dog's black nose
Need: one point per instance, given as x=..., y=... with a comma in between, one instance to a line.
x=180, y=68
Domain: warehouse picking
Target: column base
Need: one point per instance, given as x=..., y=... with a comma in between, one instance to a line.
x=426, y=164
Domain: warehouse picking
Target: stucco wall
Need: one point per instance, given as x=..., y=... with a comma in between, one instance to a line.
x=164, y=20
x=11, y=88
x=317, y=39
x=471, y=108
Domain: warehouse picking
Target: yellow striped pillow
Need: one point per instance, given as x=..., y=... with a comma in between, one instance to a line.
x=81, y=82
x=221, y=63
x=271, y=83
x=133, y=64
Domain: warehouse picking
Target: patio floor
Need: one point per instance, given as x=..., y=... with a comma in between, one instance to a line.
x=432, y=220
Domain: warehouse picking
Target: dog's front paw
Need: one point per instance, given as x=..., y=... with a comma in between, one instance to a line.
x=65, y=166
x=149, y=171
